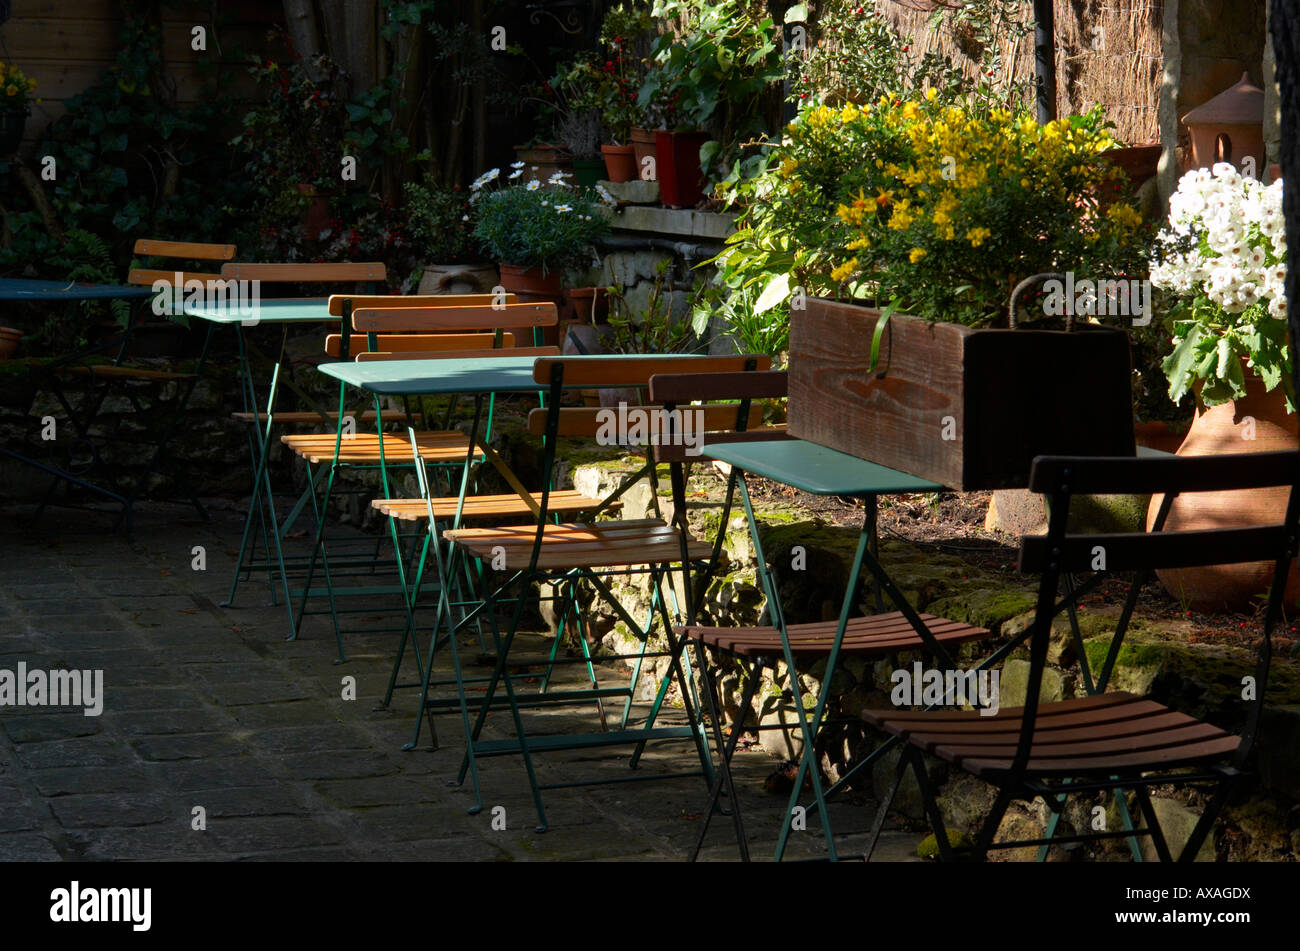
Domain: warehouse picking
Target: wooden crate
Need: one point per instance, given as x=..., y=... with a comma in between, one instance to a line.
x=966, y=408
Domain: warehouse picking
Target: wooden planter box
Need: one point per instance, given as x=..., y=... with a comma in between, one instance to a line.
x=969, y=409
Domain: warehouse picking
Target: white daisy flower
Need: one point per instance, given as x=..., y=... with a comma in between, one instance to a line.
x=533, y=185
x=518, y=164
x=564, y=209
x=515, y=174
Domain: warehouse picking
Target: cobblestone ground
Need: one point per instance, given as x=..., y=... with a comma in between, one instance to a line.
x=211, y=707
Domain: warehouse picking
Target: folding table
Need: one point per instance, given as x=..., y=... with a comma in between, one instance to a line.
x=820, y=471
x=21, y=290
x=287, y=313
x=480, y=377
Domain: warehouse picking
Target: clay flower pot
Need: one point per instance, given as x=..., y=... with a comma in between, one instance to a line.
x=681, y=180
x=588, y=302
x=620, y=162
x=643, y=148
x=458, y=279
x=1226, y=429
x=9, y=338
x=530, y=285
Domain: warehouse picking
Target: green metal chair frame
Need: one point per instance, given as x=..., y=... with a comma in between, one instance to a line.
x=1110, y=741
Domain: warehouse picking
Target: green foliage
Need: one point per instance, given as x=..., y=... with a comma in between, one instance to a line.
x=87, y=258
x=939, y=209
x=440, y=222
x=130, y=162
x=716, y=74
x=652, y=328
x=533, y=226
x=749, y=323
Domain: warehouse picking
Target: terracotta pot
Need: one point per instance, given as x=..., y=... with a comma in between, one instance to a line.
x=315, y=216
x=1223, y=429
x=1159, y=434
x=459, y=279
x=588, y=302
x=620, y=162
x=529, y=284
x=9, y=338
x=677, y=155
x=543, y=161
x=643, y=151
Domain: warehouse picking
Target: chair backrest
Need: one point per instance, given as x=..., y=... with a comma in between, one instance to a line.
x=411, y=346
x=338, y=302
x=745, y=421
x=1060, y=478
x=180, y=251
x=617, y=426
x=341, y=272
x=477, y=326
x=343, y=305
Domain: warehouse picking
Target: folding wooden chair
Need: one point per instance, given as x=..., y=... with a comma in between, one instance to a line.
x=566, y=554
x=1113, y=740
x=762, y=647
x=401, y=332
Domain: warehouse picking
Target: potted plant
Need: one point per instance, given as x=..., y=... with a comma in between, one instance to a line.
x=933, y=214
x=293, y=138
x=534, y=232
x=715, y=72
x=572, y=102
x=1222, y=262
x=15, y=106
x=441, y=223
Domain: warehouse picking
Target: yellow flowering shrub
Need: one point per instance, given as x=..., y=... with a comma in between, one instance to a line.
x=937, y=207
x=15, y=88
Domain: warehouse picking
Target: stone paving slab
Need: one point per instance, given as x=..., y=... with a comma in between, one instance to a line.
x=211, y=711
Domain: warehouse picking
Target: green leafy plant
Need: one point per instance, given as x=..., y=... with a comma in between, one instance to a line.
x=717, y=72
x=650, y=327
x=441, y=222
x=752, y=330
x=1222, y=261
x=535, y=226
x=16, y=88
x=934, y=209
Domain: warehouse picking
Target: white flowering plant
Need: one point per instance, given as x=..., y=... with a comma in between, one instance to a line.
x=541, y=224
x=1222, y=258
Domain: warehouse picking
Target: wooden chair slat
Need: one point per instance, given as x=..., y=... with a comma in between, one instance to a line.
x=459, y=354
x=458, y=317
x=1117, y=475
x=306, y=273
x=184, y=250
x=689, y=387
x=636, y=371
x=390, y=301
x=143, y=275
x=405, y=343
x=1132, y=550
x=590, y=420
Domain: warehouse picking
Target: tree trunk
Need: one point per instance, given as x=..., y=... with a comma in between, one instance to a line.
x=300, y=21
x=36, y=193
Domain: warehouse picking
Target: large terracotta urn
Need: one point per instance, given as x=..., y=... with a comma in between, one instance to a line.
x=459, y=279
x=1229, y=428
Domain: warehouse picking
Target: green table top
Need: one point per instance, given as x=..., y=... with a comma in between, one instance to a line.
x=816, y=469
x=22, y=289
x=434, y=377
x=285, y=310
